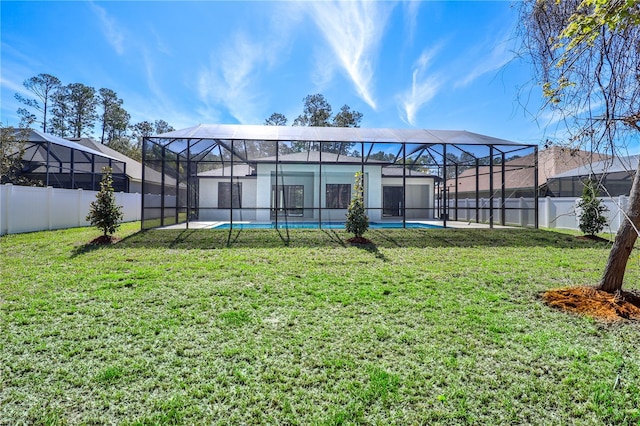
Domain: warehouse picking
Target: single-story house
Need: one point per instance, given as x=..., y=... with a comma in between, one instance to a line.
x=301, y=184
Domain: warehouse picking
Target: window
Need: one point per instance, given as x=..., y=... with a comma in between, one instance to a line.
x=290, y=199
x=227, y=199
x=338, y=195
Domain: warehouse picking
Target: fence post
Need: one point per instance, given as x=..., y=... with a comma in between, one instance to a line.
x=521, y=215
x=5, y=214
x=547, y=211
x=79, y=211
x=120, y=198
x=49, y=207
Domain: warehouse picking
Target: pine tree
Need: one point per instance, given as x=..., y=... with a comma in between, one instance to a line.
x=357, y=220
x=103, y=212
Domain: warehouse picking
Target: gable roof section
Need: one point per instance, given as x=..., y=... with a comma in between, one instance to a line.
x=134, y=168
x=36, y=136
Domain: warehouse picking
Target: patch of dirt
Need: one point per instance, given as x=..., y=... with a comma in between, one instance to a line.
x=104, y=240
x=595, y=303
x=359, y=240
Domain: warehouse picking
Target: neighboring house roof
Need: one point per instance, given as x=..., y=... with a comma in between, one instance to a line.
x=332, y=134
x=519, y=173
x=134, y=168
x=36, y=136
x=557, y=160
x=608, y=166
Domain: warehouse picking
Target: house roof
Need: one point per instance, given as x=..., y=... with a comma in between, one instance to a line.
x=243, y=170
x=333, y=134
x=607, y=166
x=519, y=172
x=134, y=168
x=315, y=157
x=240, y=170
x=397, y=172
x=36, y=136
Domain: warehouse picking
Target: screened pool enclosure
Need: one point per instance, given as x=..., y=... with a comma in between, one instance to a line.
x=60, y=163
x=239, y=175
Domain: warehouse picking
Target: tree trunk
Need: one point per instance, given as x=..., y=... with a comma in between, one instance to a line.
x=625, y=239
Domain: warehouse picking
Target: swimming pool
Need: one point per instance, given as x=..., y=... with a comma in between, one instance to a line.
x=325, y=225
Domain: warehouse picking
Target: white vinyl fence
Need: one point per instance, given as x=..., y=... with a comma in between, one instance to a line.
x=27, y=208
x=564, y=213
x=561, y=213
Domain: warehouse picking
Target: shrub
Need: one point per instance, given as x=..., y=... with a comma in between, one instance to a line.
x=591, y=208
x=357, y=220
x=103, y=212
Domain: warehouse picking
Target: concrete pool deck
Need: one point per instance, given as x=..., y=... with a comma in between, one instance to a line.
x=439, y=223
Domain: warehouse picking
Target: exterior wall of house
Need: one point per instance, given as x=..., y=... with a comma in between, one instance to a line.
x=315, y=184
x=208, y=200
x=135, y=186
x=257, y=193
x=419, y=196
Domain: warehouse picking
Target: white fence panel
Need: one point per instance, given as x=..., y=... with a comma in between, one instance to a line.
x=561, y=213
x=28, y=209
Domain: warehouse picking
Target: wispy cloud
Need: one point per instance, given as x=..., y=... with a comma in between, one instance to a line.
x=353, y=30
x=160, y=46
x=411, y=17
x=230, y=78
x=112, y=31
x=14, y=86
x=500, y=55
x=424, y=87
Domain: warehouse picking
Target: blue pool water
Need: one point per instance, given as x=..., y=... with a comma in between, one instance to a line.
x=325, y=225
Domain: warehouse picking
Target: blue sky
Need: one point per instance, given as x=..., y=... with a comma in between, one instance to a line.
x=435, y=65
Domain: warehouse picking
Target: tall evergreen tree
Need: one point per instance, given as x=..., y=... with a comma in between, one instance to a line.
x=317, y=112
x=82, y=103
x=114, y=118
x=43, y=86
x=60, y=113
x=276, y=119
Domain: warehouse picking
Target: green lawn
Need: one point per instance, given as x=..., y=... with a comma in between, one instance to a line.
x=426, y=327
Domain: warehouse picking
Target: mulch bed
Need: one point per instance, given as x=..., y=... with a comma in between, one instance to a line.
x=104, y=240
x=595, y=303
x=359, y=240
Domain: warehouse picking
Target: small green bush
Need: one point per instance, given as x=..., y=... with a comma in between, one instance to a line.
x=357, y=220
x=591, y=208
x=103, y=212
